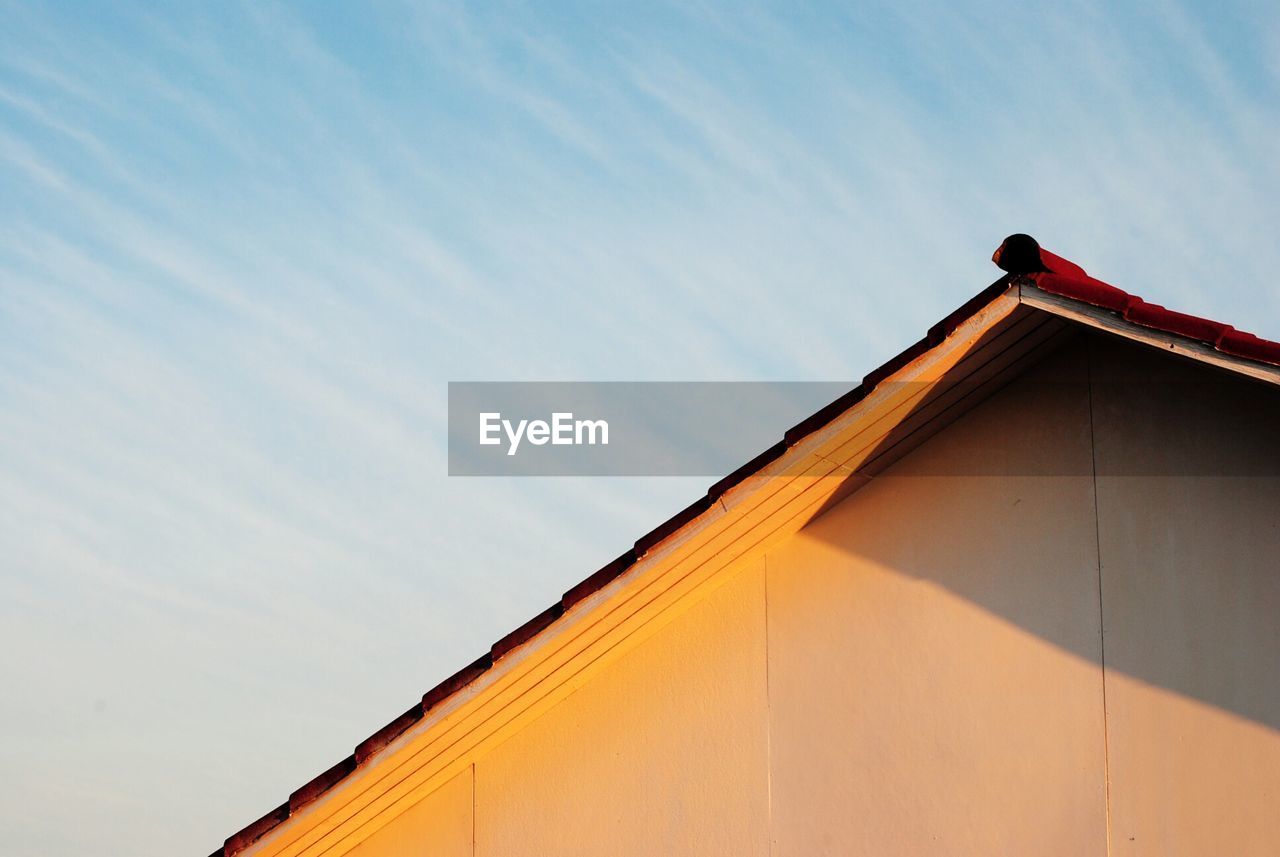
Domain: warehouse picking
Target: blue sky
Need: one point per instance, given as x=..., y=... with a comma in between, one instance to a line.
x=244, y=247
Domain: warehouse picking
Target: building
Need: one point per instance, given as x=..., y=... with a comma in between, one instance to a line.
x=1018, y=593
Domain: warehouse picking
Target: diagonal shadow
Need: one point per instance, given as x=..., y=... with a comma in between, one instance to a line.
x=1158, y=476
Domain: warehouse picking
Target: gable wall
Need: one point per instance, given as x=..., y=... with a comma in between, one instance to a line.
x=921, y=670
x=1190, y=549
x=935, y=677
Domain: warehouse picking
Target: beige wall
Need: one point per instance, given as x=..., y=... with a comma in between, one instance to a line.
x=665, y=753
x=921, y=670
x=1191, y=590
x=441, y=825
x=934, y=670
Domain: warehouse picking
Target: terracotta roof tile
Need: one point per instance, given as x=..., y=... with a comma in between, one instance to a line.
x=598, y=580
x=456, y=682
x=1059, y=265
x=918, y=349
x=321, y=784
x=1190, y=326
x=1086, y=289
x=1020, y=254
x=388, y=733
x=527, y=631
x=245, y=837
x=965, y=311
x=1240, y=344
x=824, y=415
x=770, y=455
x=649, y=540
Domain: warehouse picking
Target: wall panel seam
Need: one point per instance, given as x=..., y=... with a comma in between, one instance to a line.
x=1102, y=629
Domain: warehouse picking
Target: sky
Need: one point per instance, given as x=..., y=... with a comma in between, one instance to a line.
x=244, y=247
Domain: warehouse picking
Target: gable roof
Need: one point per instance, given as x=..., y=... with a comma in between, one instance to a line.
x=962, y=358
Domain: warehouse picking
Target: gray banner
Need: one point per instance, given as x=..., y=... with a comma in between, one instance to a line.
x=712, y=428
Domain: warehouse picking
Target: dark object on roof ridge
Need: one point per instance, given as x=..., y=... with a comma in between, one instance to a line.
x=1019, y=254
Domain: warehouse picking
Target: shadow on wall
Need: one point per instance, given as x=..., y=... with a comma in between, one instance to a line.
x=1166, y=563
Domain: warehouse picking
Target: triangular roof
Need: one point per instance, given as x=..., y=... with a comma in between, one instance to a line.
x=959, y=362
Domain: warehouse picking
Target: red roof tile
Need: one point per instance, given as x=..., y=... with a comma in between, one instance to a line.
x=456, y=682
x=527, y=631
x=1190, y=326
x=1240, y=344
x=1086, y=289
x=321, y=784
x=1057, y=275
x=770, y=455
x=649, y=540
x=246, y=836
x=598, y=580
x=388, y=733
x=1019, y=255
